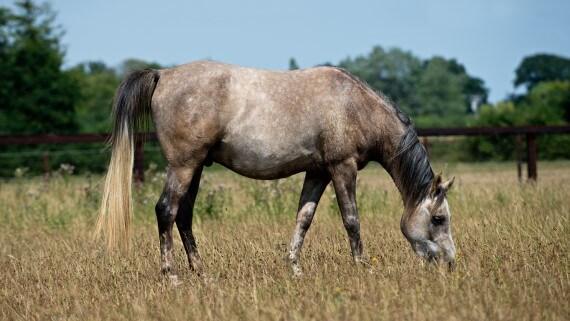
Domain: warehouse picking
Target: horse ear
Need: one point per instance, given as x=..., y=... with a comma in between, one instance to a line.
x=435, y=183
x=447, y=185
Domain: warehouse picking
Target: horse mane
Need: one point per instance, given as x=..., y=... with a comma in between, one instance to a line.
x=410, y=163
x=413, y=173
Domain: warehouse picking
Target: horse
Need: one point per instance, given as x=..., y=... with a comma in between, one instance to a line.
x=263, y=124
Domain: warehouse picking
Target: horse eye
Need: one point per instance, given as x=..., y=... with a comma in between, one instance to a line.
x=438, y=220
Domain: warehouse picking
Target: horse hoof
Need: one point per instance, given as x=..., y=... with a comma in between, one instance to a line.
x=174, y=281
x=297, y=272
x=209, y=281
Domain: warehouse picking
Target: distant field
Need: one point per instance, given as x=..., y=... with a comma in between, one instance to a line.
x=513, y=243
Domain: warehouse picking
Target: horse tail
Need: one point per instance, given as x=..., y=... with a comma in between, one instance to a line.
x=131, y=111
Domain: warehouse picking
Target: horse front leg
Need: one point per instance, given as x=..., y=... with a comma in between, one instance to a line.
x=313, y=188
x=344, y=181
x=176, y=187
x=184, y=223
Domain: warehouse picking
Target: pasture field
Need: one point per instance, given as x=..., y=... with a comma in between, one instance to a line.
x=512, y=240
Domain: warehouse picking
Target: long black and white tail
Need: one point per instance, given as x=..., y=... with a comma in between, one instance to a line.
x=131, y=110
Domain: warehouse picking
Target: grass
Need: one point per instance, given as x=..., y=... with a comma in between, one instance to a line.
x=512, y=241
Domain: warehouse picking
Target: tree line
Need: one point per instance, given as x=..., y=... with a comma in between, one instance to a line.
x=438, y=92
x=38, y=95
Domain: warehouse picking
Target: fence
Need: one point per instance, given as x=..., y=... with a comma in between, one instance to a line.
x=530, y=133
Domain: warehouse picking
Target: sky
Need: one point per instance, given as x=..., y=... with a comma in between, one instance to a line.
x=489, y=37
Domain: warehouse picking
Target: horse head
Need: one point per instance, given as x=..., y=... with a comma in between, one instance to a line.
x=427, y=226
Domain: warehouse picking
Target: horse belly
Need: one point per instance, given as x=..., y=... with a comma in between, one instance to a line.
x=264, y=159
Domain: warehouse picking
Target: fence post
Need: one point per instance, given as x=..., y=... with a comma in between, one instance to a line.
x=139, y=160
x=531, y=156
x=46, y=163
x=519, y=157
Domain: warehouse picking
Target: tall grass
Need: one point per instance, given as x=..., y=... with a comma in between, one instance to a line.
x=512, y=241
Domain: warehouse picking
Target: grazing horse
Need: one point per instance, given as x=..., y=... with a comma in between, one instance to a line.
x=269, y=125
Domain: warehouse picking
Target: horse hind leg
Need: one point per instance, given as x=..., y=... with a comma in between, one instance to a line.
x=176, y=187
x=313, y=188
x=184, y=223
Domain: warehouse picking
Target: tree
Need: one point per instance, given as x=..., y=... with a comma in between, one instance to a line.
x=444, y=89
x=542, y=67
x=98, y=84
x=547, y=103
x=441, y=89
x=494, y=147
x=435, y=92
x=36, y=96
x=393, y=72
x=293, y=64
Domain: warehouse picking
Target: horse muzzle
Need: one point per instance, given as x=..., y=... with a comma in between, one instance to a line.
x=440, y=251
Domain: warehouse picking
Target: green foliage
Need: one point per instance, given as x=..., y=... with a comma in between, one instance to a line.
x=97, y=87
x=36, y=96
x=98, y=84
x=441, y=89
x=502, y=114
x=444, y=88
x=272, y=198
x=494, y=147
x=435, y=92
x=547, y=103
x=393, y=72
x=542, y=67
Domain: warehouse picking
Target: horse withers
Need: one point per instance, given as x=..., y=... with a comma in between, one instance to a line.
x=269, y=125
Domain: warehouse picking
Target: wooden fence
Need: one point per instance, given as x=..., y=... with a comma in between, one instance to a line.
x=530, y=133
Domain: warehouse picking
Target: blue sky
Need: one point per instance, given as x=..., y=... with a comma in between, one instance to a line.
x=490, y=37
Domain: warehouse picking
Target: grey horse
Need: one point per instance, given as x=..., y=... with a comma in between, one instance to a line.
x=264, y=124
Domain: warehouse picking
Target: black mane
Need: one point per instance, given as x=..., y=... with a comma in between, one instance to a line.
x=412, y=172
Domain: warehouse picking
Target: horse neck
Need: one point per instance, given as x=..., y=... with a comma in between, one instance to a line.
x=405, y=159
x=398, y=149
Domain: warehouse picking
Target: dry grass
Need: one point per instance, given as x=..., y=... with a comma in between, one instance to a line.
x=513, y=243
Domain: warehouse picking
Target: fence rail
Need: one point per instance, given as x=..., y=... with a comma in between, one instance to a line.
x=530, y=133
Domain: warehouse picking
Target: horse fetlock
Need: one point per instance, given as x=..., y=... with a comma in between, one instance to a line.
x=195, y=262
x=357, y=250
x=168, y=269
x=167, y=258
x=292, y=257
